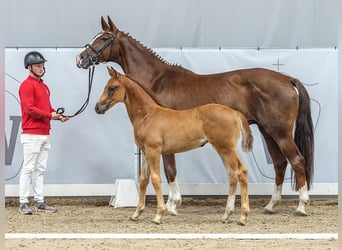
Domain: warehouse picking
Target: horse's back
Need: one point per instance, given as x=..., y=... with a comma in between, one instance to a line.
x=255, y=92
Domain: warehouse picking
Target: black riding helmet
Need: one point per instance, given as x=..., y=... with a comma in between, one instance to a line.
x=33, y=57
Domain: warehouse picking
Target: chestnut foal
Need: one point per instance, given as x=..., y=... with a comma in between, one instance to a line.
x=159, y=130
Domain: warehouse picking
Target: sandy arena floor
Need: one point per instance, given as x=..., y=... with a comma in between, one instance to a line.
x=196, y=215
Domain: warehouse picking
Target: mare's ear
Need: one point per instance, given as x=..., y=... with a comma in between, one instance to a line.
x=104, y=25
x=112, y=26
x=111, y=71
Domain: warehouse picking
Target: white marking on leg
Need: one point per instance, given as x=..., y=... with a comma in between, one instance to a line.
x=276, y=197
x=303, y=200
x=229, y=208
x=174, y=199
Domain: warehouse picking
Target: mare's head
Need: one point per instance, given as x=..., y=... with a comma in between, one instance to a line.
x=101, y=48
x=113, y=92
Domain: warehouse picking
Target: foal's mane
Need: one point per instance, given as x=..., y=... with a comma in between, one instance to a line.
x=151, y=95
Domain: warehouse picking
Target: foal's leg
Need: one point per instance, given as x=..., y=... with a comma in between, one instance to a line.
x=153, y=159
x=144, y=179
x=175, y=198
x=280, y=164
x=231, y=194
x=236, y=172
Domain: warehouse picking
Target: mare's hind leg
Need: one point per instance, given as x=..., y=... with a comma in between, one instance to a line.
x=237, y=172
x=290, y=150
x=280, y=164
x=175, y=198
x=144, y=179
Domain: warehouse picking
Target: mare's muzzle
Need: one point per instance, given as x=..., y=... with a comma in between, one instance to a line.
x=84, y=60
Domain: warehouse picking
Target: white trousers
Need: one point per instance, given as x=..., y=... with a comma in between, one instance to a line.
x=36, y=151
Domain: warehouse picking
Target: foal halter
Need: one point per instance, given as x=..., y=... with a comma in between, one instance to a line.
x=94, y=59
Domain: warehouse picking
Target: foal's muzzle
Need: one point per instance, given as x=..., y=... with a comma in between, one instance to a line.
x=100, y=108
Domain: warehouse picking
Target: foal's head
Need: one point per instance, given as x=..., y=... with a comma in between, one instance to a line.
x=113, y=92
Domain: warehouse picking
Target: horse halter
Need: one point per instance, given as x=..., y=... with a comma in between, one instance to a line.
x=94, y=59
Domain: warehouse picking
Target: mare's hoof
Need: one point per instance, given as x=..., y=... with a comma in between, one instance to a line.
x=171, y=208
x=171, y=211
x=300, y=212
x=301, y=208
x=269, y=211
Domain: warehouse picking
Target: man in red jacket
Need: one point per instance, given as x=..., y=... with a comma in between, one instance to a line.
x=36, y=112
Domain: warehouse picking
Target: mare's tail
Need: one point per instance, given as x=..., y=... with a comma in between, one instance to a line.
x=304, y=132
x=247, y=137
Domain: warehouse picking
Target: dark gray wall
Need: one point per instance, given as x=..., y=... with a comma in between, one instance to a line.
x=175, y=23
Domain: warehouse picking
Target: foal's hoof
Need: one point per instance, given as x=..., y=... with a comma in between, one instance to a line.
x=242, y=220
x=224, y=220
x=241, y=223
x=157, y=222
x=157, y=219
x=133, y=218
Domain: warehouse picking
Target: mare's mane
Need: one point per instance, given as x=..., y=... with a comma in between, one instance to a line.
x=152, y=52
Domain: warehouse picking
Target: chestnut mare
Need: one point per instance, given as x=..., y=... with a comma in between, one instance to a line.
x=275, y=102
x=159, y=130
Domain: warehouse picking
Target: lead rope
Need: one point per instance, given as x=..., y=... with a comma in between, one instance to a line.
x=85, y=104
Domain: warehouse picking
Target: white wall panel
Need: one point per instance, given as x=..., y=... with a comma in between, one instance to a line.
x=97, y=149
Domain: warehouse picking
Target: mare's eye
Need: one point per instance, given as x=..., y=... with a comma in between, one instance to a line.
x=104, y=39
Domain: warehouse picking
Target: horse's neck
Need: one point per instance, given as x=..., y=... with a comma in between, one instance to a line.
x=138, y=103
x=138, y=62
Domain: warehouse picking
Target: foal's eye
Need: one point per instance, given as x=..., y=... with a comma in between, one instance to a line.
x=111, y=89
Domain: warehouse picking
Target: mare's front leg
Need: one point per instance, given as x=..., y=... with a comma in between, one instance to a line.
x=144, y=179
x=175, y=198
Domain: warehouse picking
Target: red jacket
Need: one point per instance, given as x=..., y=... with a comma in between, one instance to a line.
x=35, y=106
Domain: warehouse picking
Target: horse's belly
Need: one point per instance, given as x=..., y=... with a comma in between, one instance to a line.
x=177, y=145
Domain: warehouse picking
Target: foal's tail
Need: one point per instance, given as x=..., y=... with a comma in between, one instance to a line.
x=304, y=133
x=247, y=137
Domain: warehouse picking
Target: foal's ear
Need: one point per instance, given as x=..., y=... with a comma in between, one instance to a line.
x=111, y=71
x=104, y=25
x=112, y=26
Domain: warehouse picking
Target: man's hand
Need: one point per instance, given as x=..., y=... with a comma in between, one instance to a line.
x=62, y=118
